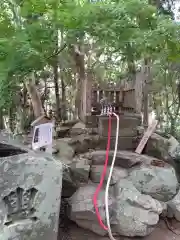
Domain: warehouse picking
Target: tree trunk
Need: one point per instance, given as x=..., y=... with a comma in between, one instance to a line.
x=146, y=93
x=35, y=98
x=131, y=70
x=56, y=78
x=81, y=83
x=1, y=120
x=44, y=97
x=145, y=106
x=130, y=62
x=11, y=119
x=173, y=126
x=139, y=83
x=56, y=85
x=63, y=96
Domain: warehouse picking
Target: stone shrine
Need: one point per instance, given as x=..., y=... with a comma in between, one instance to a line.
x=128, y=130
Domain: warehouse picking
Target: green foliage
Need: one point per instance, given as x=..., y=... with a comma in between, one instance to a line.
x=131, y=29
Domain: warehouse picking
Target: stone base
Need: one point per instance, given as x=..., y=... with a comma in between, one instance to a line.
x=91, y=121
x=127, y=126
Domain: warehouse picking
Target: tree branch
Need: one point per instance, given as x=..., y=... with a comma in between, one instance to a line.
x=57, y=52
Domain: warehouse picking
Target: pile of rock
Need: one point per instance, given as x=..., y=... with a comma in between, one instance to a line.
x=143, y=187
x=139, y=193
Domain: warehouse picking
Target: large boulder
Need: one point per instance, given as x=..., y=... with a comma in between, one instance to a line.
x=136, y=214
x=124, y=159
x=174, y=207
x=174, y=147
x=30, y=195
x=75, y=174
x=62, y=132
x=64, y=148
x=159, y=182
x=78, y=128
x=82, y=210
x=80, y=168
x=174, y=151
x=131, y=213
x=68, y=147
x=84, y=142
x=69, y=187
x=157, y=146
x=96, y=172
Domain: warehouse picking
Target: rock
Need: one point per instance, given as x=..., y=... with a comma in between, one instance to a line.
x=82, y=209
x=125, y=159
x=157, y=146
x=83, y=143
x=136, y=214
x=78, y=128
x=64, y=221
x=12, y=143
x=30, y=196
x=69, y=123
x=174, y=207
x=174, y=147
x=96, y=171
x=75, y=175
x=6, y=135
x=132, y=213
x=80, y=168
x=69, y=187
x=92, y=226
x=10, y=150
x=165, y=209
x=64, y=148
x=140, y=130
x=174, y=151
x=55, y=151
x=170, y=213
x=62, y=131
x=159, y=182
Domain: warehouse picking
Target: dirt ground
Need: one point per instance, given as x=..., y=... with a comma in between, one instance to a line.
x=70, y=231
x=160, y=233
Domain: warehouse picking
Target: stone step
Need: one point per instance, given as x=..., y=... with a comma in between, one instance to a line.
x=124, y=143
x=125, y=159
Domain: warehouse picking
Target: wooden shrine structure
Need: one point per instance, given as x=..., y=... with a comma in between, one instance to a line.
x=126, y=96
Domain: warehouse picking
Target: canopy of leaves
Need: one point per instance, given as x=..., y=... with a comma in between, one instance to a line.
x=132, y=29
